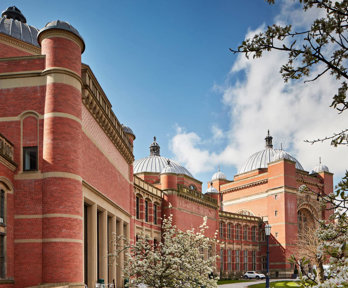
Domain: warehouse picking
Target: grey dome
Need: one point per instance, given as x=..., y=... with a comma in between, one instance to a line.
x=262, y=158
x=13, y=23
x=212, y=190
x=218, y=175
x=320, y=168
x=169, y=169
x=156, y=163
x=62, y=25
x=281, y=154
x=127, y=130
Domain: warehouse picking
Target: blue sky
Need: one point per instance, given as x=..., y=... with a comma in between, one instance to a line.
x=168, y=72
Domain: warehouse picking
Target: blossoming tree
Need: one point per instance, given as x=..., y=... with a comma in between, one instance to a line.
x=182, y=259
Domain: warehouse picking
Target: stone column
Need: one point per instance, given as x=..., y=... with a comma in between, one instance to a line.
x=120, y=259
x=92, y=244
x=112, y=236
x=103, y=246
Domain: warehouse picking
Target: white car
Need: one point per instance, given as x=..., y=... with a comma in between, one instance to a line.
x=254, y=275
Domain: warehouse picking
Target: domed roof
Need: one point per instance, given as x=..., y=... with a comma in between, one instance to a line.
x=168, y=168
x=156, y=163
x=127, y=130
x=218, y=175
x=13, y=23
x=62, y=25
x=212, y=189
x=262, y=158
x=320, y=168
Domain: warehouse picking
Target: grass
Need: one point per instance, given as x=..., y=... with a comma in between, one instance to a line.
x=278, y=284
x=220, y=282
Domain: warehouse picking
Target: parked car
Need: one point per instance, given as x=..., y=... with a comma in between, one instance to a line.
x=254, y=275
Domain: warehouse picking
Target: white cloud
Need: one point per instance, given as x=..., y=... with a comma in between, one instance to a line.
x=293, y=112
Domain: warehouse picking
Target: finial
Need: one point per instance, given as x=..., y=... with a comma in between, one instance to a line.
x=14, y=13
x=281, y=146
x=219, y=168
x=269, y=140
x=319, y=160
x=154, y=148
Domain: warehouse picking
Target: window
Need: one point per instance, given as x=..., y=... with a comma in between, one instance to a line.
x=221, y=259
x=2, y=256
x=229, y=231
x=275, y=196
x=138, y=207
x=276, y=234
x=221, y=230
x=253, y=233
x=238, y=228
x=229, y=260
x=245, y=260
x=146, y=211
x=275, y=212
x=30, y=158
x=245, y=233
x=264, y=263
x=155, y=214
x=254, y=260
x=263, y=235
x=237, y=261
x=2, y=207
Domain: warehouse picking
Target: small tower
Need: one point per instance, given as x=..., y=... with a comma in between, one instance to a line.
x=62, y=261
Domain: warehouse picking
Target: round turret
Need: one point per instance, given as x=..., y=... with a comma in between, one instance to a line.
x=129, y=132
x=65, y=26
x=218, y=176
x=320, y=168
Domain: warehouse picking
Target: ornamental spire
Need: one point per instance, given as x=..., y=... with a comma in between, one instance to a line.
x=154, y=148
x=269, y=140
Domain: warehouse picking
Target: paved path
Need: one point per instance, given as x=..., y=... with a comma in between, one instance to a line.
x=246, y=284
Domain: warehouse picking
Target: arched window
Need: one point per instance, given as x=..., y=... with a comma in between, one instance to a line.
x=221, y=230
x=245, y=233
x=229, y=231
x=137, y=207
x=30, y=141
x=253, y=233
x=238, y=231
x=305, y=220
x=146, y=210
x=155, y=212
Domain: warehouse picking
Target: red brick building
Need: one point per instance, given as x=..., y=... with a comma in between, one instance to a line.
x=67, y=181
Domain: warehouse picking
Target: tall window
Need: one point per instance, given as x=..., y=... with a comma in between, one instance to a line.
x=229, y=260
x=254, y=260
x=146, y=211
x=221, y=230
x=229, y=231
x=237, y=261
x=2, y=207
x=155, y=214
x=253, y=233
x=238, y=228
x=2, y=256
x=221, y=259
x=264, y=263
x=245, y=233
x=245, y=260
x=30, y=158
x=138, y=207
